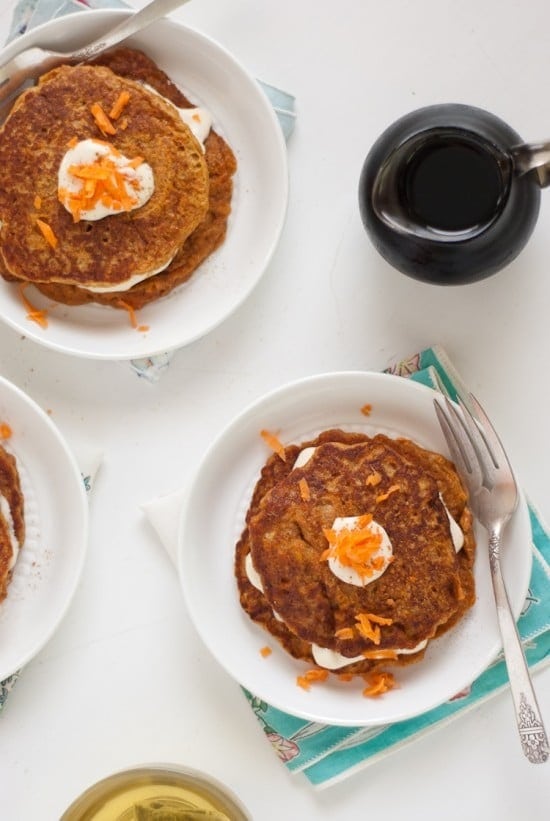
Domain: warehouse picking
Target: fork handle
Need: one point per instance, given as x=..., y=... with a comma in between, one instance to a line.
x=534, y=740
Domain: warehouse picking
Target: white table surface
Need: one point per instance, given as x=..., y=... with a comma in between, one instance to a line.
x=125, y=679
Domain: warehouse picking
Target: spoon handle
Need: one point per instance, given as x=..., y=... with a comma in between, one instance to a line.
x=134, y=23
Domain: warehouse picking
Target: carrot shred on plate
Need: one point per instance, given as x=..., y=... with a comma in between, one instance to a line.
x=5, y=430
x=273, y=441
x=47, y=232
x=366, y=410
x=132, y=314
x=378, y=683
x=40, y=316
x=265, y=652
x=311, y=676
x=102, y=120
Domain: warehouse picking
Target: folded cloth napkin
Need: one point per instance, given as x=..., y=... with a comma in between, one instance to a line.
x=89, y=459
x=327, y=754
x=30, y=13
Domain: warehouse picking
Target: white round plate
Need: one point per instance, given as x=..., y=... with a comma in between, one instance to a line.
x=213, y=518
x=211, y=77
x=56, y=516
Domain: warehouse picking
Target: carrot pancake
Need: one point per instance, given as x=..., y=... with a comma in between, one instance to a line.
x=12, y=523
x=284, y=573
x=194, y=215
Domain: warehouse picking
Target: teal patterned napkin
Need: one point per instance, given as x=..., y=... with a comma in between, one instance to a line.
x=327, y=754
x=31, y=13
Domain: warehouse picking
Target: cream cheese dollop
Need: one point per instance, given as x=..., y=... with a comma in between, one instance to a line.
x=198, y=120
x=138, y=181
x=332, y=660
x=381, y=558
x=6, y=513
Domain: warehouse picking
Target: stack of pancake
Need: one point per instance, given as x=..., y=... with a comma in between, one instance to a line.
x=289, y=587
x=164, y=240
x=12, y=522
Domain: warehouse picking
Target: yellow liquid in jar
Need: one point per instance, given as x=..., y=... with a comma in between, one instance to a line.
x=146, y=797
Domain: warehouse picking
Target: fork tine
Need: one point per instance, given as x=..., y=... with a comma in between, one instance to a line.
x=461, y=451
x=492, y=440
x=457, y=420
x=479, y=443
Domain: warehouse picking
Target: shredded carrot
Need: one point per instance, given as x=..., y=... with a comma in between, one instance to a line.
x=123, y=124
x=34, y=314
x=356, y=547
x=273, y=441
x=373, y=479
x=311, y=676
x=120, y=105
x=366, y=410
x=345, y=676
x=196, y=117
x=5, y=430
x=265, y=652
x=37, y=202
x=102, y=181
x=365, y=627
x=383, y=496
x=47, y=233
x=344, y=633
x=102, y=120
x=135, y=162
x=379, y=654
x=304, y=490
x=72, y=142
x=378, y=683
x=132, y=314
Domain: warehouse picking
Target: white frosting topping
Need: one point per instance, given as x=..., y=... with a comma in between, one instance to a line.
x=332, y=660
x=254, y=579
x=303, y=457
x=384, y=552
x=456, y=531
x=198, y=120
x=138, y=182
x=6, y=513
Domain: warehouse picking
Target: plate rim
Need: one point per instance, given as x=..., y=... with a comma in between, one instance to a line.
x=6, y=386
x=125, y=352
x=186, y=584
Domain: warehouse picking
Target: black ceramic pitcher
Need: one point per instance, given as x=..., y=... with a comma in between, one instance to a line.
x=450, y=194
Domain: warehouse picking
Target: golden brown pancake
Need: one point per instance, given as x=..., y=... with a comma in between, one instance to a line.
x=426, y=588
x=34, y=140
x=14, y=523
x=209, y=233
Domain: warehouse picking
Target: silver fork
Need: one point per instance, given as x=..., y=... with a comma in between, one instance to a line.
x=482, y=462
x=31, y=63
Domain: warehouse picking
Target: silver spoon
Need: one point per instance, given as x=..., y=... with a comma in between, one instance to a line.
x=33, y=62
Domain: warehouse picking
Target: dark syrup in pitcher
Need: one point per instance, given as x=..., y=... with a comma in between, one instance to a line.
x=440, y=197
x=452, y=184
